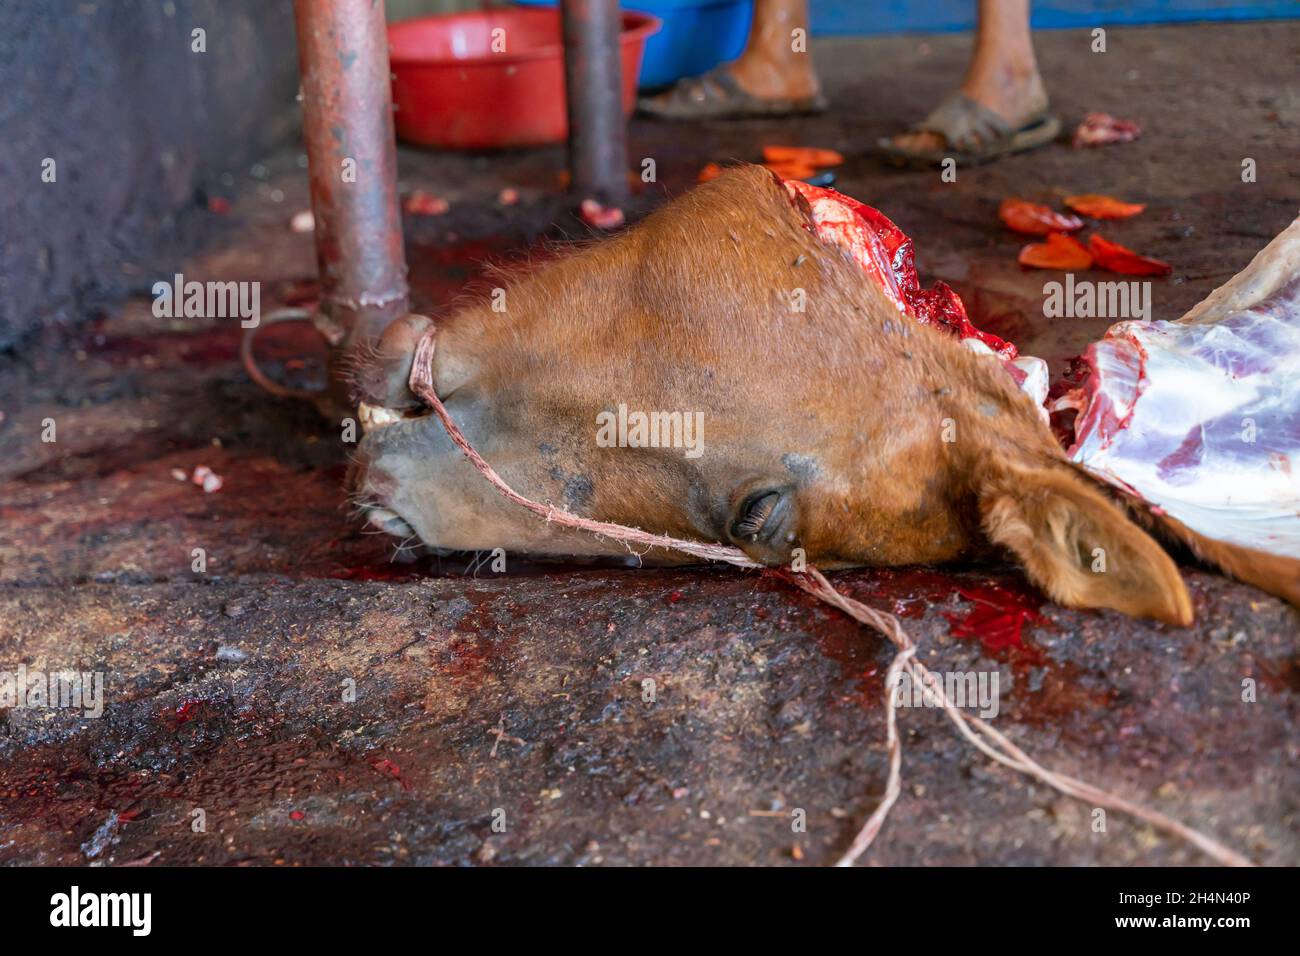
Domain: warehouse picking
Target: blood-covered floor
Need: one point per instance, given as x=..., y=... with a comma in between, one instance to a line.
x=518, y=698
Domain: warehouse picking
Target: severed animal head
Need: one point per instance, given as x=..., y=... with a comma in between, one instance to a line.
x=723, y=372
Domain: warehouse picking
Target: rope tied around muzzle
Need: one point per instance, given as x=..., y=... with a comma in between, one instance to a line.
x=975, y=730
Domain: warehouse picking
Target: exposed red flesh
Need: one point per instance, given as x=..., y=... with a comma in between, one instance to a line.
x=886, y=254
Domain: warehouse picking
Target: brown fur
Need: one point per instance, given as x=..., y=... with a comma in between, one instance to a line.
x=1269, y=572
x=844, y=406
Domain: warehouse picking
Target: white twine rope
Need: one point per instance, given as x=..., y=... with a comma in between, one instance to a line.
x=978, y=732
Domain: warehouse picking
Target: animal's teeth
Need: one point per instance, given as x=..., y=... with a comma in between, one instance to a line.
x=389, y=521
x=376, y=416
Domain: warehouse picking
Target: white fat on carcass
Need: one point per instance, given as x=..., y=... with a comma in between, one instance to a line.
x=1029, y=372
x=1201, y=417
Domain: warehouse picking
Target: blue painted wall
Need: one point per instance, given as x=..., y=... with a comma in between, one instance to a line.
x=933, y=16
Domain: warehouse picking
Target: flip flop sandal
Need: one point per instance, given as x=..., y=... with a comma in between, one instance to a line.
x=717, y=95
x=973, y=133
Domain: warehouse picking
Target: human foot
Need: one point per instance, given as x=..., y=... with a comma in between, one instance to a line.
x=754, y=85
x=1017, y=98
x=774, y=76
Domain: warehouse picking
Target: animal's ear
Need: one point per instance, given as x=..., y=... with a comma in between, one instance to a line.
x=1076, y=545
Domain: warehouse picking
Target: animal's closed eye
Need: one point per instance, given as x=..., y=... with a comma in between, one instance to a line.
x=754, y=514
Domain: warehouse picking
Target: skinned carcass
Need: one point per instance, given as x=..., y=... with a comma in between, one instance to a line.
x=1200, y=419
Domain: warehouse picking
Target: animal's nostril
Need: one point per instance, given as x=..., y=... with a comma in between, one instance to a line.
x=389, y=521
x=382, y=380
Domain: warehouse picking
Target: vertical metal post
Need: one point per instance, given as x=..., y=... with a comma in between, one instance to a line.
x=594, y=93
x=352, y=159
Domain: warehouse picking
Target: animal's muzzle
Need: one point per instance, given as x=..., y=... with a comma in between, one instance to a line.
x=385, y=399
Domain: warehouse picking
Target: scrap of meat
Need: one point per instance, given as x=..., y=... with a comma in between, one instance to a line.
x=1059, y=251
x=1201, y=417
x=600, y=217
x=1113, y=257
x=1033, y=219
x=887, y=255
x=420, y=203
x=1097, y=206
x=1098, y=129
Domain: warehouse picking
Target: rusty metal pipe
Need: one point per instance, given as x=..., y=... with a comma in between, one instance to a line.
x=594, y=98
x=352, y=160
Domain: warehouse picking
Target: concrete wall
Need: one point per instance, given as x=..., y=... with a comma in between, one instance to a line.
x=139, y=127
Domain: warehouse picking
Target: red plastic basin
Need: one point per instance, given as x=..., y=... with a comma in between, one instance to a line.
x=452, y=90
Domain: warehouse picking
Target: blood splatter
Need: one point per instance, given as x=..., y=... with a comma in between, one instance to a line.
x=997, y=616
x=186, y=710
x=389, y=769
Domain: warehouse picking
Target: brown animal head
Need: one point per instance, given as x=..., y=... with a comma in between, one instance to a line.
x=844, y=429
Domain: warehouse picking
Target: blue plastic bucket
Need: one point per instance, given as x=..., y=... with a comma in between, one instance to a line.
x=697, y=35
